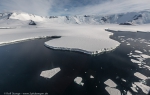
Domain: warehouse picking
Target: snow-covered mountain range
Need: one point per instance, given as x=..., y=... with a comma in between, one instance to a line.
x=142, y=17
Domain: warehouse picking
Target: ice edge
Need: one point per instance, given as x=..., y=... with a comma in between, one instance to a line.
x=81, y=50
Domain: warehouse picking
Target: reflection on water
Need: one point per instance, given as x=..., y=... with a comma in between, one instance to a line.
x=22, y=63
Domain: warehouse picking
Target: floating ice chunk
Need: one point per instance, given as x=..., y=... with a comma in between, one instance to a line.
x=123, y=41
x=146, y=66
x=88, y=45
x=134, y=89
x=144, y=88
x=123, y=80
x=135, y=61
x=141, y=59
x=113, y=91
x=78, y=80
x=92, y=77
x=129, y=93
x=136, y=56
x=131, y=53
x=139, y=75
x=137, y=51
x=134, y=85
x=50, y=73
x=145, y=50
x=110, y=83
x=121, y=36
x=128, y=44
x=145, y=56
x=82, y=83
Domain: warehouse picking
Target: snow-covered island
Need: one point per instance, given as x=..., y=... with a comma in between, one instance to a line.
x=78, y=33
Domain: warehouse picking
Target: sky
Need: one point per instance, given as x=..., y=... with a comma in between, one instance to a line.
x=73, y=7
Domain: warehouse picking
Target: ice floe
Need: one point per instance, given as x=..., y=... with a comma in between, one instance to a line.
x=137, y=51
x=78, y=80
x=143, y=87
x=146, y=66
x=113, y=91
x=135, y=61
x=129, y=93
x=136, y=56
x=134, y=88
x=140, y=76
x=110, y=83
x=128, y=44
x=124, y=80
x=91, y=77
x=145, y=56
x=50, y=73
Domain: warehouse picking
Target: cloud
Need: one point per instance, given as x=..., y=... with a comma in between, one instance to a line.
x=39, y=7
x=74, y=7
x=111, y=7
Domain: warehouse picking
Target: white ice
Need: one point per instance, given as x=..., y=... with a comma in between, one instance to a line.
x=140, y=76
x=144, y=88
x=146, y=66
x=113, y=91
x=134, y=87
x=135, y=61
x=128, y=44
x=124, y=80
x=110, y=83
x=78, y=80
x=50, y=73
x=92, y=77
x=129, y=93
x=145, y=56
x=138, y=56
x=137, y=51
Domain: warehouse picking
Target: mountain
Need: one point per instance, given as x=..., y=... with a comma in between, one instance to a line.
x=142, y=17
x=19, y=19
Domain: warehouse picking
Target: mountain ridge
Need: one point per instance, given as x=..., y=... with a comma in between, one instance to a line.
x=142, y=17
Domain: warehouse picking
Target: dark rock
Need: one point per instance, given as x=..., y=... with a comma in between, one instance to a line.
x=136, y=17
x=53, y=17
x=126, y=23
x=67, y=17
x=9, y=15
x=86, y=16
x=104, y=19
x=32, y=23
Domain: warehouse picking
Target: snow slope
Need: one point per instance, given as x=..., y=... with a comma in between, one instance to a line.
x=142, y=17
x=21, y=16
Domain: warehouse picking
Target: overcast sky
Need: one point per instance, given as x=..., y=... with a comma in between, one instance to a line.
x=73, y=7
